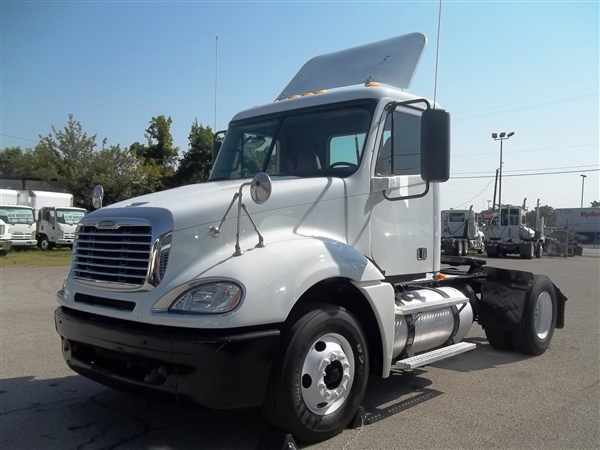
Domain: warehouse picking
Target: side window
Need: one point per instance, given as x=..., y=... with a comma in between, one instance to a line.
x=514, y=216
x=400, y=147
x=345, y=149
x=504, y=217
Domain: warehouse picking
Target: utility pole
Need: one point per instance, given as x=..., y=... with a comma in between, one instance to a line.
x=501, y=137
x=495, y=187
x=583, y=177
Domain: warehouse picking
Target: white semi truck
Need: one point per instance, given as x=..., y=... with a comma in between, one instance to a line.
x=461, y=233
x=308, y=263
x=507, y=233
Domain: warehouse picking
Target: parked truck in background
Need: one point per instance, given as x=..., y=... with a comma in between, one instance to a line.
x=507, y=233
x=21, y=225
x=461, y=233
x=57, y=226
x=329, y=275
x=5, y=243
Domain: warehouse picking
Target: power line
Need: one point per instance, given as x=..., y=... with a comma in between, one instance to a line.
x=479, y=194
x=484, y=172
x=529, y=174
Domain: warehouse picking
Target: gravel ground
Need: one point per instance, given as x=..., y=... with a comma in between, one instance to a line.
x=484, y=398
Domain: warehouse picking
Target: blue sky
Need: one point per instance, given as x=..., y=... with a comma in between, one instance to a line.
x=529, y=67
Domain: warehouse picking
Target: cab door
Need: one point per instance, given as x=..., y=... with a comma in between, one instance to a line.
x=403, y=219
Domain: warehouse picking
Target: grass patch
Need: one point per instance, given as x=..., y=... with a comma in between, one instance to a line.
x=36, y=258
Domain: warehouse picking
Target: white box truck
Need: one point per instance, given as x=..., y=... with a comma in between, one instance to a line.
x=18, y=218
x=56, y=226
x=5, y=243
x=309, y=262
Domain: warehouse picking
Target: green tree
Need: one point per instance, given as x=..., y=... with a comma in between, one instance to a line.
x=15, y=162
x=195, y=165
x=67, y=155
x=595, y=204
x=546, y=211
x=159, y=149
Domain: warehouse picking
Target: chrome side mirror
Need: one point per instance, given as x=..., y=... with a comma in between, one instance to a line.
x=260, y=188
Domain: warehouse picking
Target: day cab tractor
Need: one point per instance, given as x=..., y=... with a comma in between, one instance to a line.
x=308, y=263
x=461, y=233
x=507, y=234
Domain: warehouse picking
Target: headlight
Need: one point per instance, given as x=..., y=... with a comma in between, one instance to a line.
x=33, y=235
x=210, y=298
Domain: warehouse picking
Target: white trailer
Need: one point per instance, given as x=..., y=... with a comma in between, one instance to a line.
x=584, y=222
x=309, y=262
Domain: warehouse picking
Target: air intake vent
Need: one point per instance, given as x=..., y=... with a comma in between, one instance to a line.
x=120, y=254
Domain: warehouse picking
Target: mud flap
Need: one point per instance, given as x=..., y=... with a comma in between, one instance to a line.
x=504, y=294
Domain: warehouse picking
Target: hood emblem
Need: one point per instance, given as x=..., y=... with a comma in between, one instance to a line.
x=107, y=224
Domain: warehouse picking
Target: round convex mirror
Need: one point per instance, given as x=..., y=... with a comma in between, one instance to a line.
x=260, y=189
x=97, y=196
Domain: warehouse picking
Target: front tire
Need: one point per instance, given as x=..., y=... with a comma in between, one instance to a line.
x=321, y=378
x=45, y=244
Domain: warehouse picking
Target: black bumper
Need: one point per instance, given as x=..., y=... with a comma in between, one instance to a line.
x=218, y=369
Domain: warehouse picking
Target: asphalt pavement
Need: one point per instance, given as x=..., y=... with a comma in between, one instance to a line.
x=484, y=398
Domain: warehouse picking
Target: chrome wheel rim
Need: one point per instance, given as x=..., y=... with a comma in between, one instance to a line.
x=327, y=374
x=542, y=315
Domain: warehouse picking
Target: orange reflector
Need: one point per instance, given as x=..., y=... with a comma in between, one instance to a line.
x=439, y=276
x=372, y=84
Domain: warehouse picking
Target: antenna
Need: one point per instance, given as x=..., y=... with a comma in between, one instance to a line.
x=437, y=53
x=216, y=78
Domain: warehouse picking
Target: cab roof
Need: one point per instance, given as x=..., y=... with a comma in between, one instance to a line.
x=375, y=91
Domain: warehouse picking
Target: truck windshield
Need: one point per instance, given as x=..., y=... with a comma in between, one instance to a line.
x=14, y=215
x=69, y=216
x=456, y=217
x=306, y=143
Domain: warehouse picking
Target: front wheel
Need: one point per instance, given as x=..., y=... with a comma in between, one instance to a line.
x=44, y=244
x=320, y=381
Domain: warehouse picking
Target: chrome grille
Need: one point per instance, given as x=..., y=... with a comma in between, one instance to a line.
x=119, y=255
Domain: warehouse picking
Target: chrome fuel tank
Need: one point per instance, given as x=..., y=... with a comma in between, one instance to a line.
x=429, y=318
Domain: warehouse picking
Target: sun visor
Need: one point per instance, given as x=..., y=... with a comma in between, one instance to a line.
x=392, y=62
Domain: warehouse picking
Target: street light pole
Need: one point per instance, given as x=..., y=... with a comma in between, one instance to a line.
x=582, y=186
x=501, y=137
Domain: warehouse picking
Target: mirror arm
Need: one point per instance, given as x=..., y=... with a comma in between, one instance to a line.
x=393, y=105
x=261, y=241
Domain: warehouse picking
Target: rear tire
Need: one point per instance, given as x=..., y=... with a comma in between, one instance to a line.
x=492, y=251
x=499, y=339
x=539, y=318
x=539, y=250
x=303, y=401
x=526, y=250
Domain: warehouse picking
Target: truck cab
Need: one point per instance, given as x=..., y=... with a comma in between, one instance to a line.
x=308, y=262
x=508, y=233
x=5, y=243
x=57, y=226
x=460, y=232
x=21, y=225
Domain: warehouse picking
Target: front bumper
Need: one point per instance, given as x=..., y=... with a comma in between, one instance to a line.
x=219, y=369
x=23, y=242
x=65, y=241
